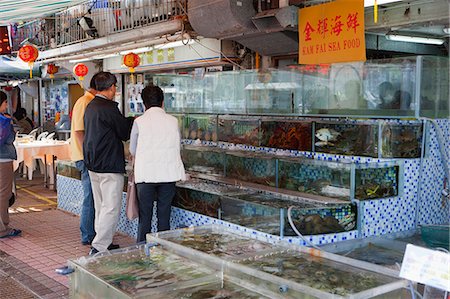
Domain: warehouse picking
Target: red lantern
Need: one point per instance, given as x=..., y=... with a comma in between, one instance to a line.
x=131, y=60
x=29, y=53
x=80, y=70
x=8, y=88
x=52, y=70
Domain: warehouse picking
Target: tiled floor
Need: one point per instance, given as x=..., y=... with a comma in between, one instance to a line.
x=49, y=238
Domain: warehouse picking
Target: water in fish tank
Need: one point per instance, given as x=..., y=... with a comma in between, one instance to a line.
x=239, y=130
x=216, y=241
x=328, y=179
x=206, y=160
x=225, y=290
x=133, y=273
x=197, y=201
x=203, y=127
x=346, y=139
x=291, y=135
x=377, y=182
x=401, y=141
x=180, y=119
x=317, y=272
x=251, y=167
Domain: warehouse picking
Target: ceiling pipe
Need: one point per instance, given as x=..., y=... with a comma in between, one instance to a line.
x=105, y=51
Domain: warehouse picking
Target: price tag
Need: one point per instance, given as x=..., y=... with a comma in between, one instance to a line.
x=427, y=266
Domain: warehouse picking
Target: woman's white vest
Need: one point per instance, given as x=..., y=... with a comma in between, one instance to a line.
x=158, y=158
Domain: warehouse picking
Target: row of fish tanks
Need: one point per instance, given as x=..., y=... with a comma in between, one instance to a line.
x=371, y=138
x=218, y=262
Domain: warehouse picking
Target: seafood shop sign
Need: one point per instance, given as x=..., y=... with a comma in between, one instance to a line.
x=332, y=32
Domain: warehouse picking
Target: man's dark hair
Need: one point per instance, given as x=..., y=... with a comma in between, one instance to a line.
x=152, y=96
x=21, y=113
x=102, y=81
x=3, y=97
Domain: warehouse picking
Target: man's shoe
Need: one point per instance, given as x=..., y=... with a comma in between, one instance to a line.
x=93, y=251
x=86, y=242
x=113, y=246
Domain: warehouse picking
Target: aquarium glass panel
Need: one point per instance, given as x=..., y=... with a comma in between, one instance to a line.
x=328, y=179
x=206, y=160
x=197, y=201
x=239, y=130
x=289, y=134
x=401, y=140
x=68, y=169
x=354, y=139
x=203, y=127
x=376, y=182
x=434, y=87
x=251, y=167
x=324, y=219
x=319, y=273
x=229, y=93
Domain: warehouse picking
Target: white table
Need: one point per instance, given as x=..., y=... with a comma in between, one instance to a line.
x=44, y=150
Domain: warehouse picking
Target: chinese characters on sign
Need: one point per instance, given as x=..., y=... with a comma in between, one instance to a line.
x=5, y=45
x=332, y=32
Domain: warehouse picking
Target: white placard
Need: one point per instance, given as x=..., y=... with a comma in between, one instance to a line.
x=427, y=266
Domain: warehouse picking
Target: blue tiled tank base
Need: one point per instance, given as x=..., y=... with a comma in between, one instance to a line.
x=183, y=218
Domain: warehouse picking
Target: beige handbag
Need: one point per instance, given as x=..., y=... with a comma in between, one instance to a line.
x=132, y=207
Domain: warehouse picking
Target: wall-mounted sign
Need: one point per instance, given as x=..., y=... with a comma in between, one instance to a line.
x=5, y=42
x=332, y=32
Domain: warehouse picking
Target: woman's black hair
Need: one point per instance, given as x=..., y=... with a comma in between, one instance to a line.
x=152, y=96
x=3, y=97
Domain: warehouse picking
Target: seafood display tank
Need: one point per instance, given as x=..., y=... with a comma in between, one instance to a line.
x=291, y=272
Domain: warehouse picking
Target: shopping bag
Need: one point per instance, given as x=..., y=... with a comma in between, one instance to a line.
x=132, y=208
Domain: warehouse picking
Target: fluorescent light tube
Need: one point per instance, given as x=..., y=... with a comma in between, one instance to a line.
x=415, y=39
x=368, y=3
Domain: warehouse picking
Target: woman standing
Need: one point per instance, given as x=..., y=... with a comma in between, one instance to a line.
x=7, y=155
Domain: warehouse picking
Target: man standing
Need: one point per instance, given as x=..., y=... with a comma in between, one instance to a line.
x=105, y=129
x=155, y=143
x=76, y=145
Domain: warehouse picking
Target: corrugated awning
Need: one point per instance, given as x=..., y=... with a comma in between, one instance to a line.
x=12, y=11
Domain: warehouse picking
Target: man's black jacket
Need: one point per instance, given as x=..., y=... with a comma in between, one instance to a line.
x=105, y=128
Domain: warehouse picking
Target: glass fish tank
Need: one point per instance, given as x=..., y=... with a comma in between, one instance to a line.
x=202, y=197
x=267, y=212
x=130, y=273
x=357, y=139
x=180, y=119
x=238, y=130
x=321, y=276
x=378, y=180
x=219, y=241
x=319, y=179
x=67, y=169
x=401, y=140
x=203, y=127
x=289, y=134
x=251, y=167
x=203, y=159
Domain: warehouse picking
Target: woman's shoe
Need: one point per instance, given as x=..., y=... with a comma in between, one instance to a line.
x=12, y=200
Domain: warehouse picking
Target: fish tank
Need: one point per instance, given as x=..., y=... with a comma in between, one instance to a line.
x=377, y=180
x=67, y=169
x=267, y=212
x=203, y=197
x=401, y=140
x=180, y=119
x=251, y=167
x=238, y=130
x=318, y=179
x=325, y=275
x=356, y=139
x=131, y=273
x=215, y=240
x=203, y=127
x=204, y=159
x=286, y=134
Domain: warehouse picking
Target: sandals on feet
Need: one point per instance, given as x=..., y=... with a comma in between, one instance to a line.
x=12, y=233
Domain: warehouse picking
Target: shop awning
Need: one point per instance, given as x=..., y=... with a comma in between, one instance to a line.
x=26, y=10
x=13, y=68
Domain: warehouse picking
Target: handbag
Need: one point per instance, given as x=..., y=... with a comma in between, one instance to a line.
x=132, y=207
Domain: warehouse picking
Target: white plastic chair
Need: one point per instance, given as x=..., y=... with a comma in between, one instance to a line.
x=50, y=136
x=42, y=135
x=34, y=132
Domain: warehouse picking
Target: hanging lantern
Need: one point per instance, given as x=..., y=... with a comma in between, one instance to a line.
x=131, y=60
x=29, y=53
x=52, y=70
x=80, y=70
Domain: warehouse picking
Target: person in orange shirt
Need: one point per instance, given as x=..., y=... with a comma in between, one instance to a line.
x=76, y=144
